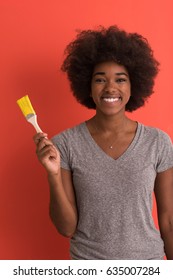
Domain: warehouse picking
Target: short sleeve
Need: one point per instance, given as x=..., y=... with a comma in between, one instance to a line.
x=165, y=152
x=61, y=144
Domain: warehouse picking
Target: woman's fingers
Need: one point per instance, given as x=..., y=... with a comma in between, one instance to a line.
x=42, y=143
x=47, y=153
x=41, y=140
x=37, y=137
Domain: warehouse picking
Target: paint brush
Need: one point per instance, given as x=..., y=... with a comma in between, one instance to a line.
x=28, y=111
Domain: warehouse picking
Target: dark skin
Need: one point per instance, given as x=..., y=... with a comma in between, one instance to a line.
x=63, y=210
x=164, y=194
x=110, y=90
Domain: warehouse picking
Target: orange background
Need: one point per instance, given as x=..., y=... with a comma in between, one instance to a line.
x=32, y=40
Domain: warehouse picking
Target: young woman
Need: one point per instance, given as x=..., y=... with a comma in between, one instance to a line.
x=102, y=172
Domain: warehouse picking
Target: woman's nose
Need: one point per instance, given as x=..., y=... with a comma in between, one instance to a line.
x=110, y=87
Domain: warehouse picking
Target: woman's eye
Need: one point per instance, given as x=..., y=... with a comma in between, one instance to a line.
x=100, y=80
x=121, y=80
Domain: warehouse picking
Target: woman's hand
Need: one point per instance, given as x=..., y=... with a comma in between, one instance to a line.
x=47, y=154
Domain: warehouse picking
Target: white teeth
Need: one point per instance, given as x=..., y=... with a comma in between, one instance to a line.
x=110, y=99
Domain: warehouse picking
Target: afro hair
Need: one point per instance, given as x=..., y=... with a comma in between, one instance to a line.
x=92, y=47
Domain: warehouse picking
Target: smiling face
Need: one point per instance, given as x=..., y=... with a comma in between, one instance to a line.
x=110, y=87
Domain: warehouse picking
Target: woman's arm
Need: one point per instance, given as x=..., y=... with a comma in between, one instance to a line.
x=164, y=198
x=62, y=208
x=63, y=211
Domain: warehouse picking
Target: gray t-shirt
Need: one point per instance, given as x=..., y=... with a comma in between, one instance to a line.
x=114, y=197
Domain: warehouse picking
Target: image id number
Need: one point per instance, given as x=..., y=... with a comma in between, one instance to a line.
x=133, y=270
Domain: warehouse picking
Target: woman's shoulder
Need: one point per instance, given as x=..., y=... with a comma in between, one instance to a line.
x=155, y=133
x=69, y=133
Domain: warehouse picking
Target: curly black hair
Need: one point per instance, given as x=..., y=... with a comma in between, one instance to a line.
x=112, y=44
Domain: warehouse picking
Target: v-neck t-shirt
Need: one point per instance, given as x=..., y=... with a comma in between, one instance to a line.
x=114, y=196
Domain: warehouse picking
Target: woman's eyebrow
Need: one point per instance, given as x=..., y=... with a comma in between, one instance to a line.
x=98, y=73
x=103, y=73
x=121, y=73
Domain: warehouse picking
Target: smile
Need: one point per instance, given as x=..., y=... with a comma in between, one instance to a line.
x=111, y=99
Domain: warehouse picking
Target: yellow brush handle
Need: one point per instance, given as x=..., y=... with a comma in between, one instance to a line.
x=33, y=121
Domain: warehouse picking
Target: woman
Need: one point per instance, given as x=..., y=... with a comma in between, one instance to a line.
x=102, y=172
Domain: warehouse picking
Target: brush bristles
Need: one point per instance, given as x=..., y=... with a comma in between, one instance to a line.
x=25, y=106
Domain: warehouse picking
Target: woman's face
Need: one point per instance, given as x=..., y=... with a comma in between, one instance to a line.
x=110, y=87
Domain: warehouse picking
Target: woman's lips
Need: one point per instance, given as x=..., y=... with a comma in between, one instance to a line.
x=111, y=99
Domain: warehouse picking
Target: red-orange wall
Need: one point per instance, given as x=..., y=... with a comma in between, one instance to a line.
x=33, y=36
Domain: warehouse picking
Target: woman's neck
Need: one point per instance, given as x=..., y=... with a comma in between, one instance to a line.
x=109, y=124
